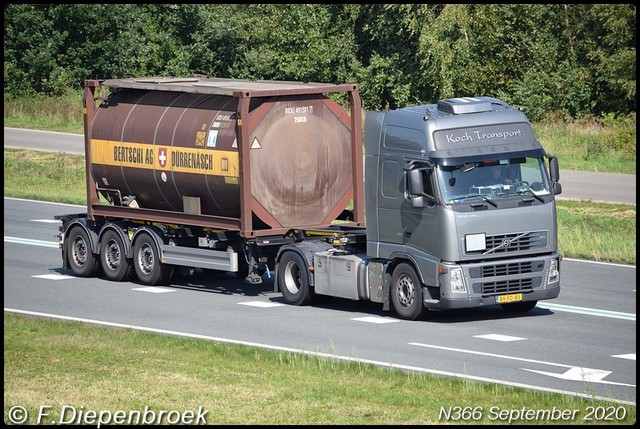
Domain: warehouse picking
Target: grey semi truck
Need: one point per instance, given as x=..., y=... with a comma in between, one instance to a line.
x=451, y=205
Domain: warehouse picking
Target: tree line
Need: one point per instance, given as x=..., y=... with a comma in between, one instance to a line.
x=572, y=60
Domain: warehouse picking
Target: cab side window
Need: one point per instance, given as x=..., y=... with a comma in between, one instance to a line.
x=391, y=179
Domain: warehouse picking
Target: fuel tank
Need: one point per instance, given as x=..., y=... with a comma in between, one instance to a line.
x=162, y=143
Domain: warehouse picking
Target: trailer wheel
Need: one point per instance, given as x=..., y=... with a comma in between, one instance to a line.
x=519, y=307
x=146, y=261
x=115, y=264
x=293, y=279
x=406, y=293
x=81, y=259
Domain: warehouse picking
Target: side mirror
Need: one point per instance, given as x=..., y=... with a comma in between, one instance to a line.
x=557, y=188
x=554, y=173
x=417, y=202
x=554, y=169
x=415, y=185
x=415, y=181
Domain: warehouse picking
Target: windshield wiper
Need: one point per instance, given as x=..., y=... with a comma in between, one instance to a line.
x=521, y=190
x=462, y=197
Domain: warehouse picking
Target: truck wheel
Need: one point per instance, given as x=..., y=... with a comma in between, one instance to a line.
x=81, y=259
x=146, y=261
x=406, y=293
x=293, y=279
x=519, y=307
x=114, y=263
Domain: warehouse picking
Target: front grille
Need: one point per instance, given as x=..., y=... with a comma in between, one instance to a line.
x=506, y=269
x=509, y=243
x=507, y=286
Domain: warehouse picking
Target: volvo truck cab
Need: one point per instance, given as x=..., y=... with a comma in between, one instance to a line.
x=461, y=196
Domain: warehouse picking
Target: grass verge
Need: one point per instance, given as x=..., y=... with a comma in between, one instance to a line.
x=51, y=364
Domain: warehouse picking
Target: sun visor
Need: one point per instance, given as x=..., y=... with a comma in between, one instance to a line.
x=452, y=158
x=485, y=142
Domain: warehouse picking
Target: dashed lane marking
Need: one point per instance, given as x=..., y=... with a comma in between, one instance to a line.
x=153, y=289
x=377, y=320
x=261, y=304
x=498, y=337
x=54, y=277
x=630, y=356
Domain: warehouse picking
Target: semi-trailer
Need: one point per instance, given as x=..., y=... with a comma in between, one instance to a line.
x=445, y=206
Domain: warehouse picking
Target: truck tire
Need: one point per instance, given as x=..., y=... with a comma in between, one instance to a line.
x=406, y=293
x=115, y=264
x=82, y=261
x=293, y=279
x=519, y=307
x=146, y=261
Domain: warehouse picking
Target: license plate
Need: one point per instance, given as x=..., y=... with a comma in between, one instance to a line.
x=503, y=299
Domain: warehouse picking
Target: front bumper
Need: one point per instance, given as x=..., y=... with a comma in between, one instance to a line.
x=486, y=280
x=480, y=301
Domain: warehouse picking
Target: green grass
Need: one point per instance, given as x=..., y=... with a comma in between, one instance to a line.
x=51, y=363
x=597, y=231
x=61, y=114
x=594, y=144
x=45, y=176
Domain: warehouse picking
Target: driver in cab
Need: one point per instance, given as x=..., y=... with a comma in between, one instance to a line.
x=499, y=175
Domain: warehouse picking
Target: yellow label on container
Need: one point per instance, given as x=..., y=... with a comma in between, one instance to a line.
x=165, y=158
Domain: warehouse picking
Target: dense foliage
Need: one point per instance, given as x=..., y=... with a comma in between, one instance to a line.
x=574, y=60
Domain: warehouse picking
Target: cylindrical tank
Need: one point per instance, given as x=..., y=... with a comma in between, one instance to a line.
x=162, y=146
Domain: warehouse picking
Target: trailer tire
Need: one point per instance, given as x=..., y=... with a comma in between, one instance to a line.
x=519, y=307
x=146, y=261
x=293, y=279
x=115, y=264
x=406, y=293
x=82, y=261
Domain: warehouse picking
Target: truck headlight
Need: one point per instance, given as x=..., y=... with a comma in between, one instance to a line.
x=554, y=271
x=456, y=280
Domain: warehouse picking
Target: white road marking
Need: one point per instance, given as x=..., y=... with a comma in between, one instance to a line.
x=630, y=356
x=586, y=261
x=378, y=320
x=574, y=372
x=153, y=289
x=472, y=352
x=588, y=311
x=261, y=304
x=587, y=375
x=54, y=277
x=498, y=337
x=577, y=374
x=31, y=242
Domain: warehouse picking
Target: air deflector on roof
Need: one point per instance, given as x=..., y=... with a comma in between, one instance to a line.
x=462, y=105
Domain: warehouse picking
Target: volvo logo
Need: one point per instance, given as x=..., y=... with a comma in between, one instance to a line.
x=506, y=243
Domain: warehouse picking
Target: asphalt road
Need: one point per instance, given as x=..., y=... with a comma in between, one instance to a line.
x=576, y=185
x=582, y=343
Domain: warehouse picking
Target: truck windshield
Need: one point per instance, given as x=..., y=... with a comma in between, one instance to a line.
x=493, y=179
